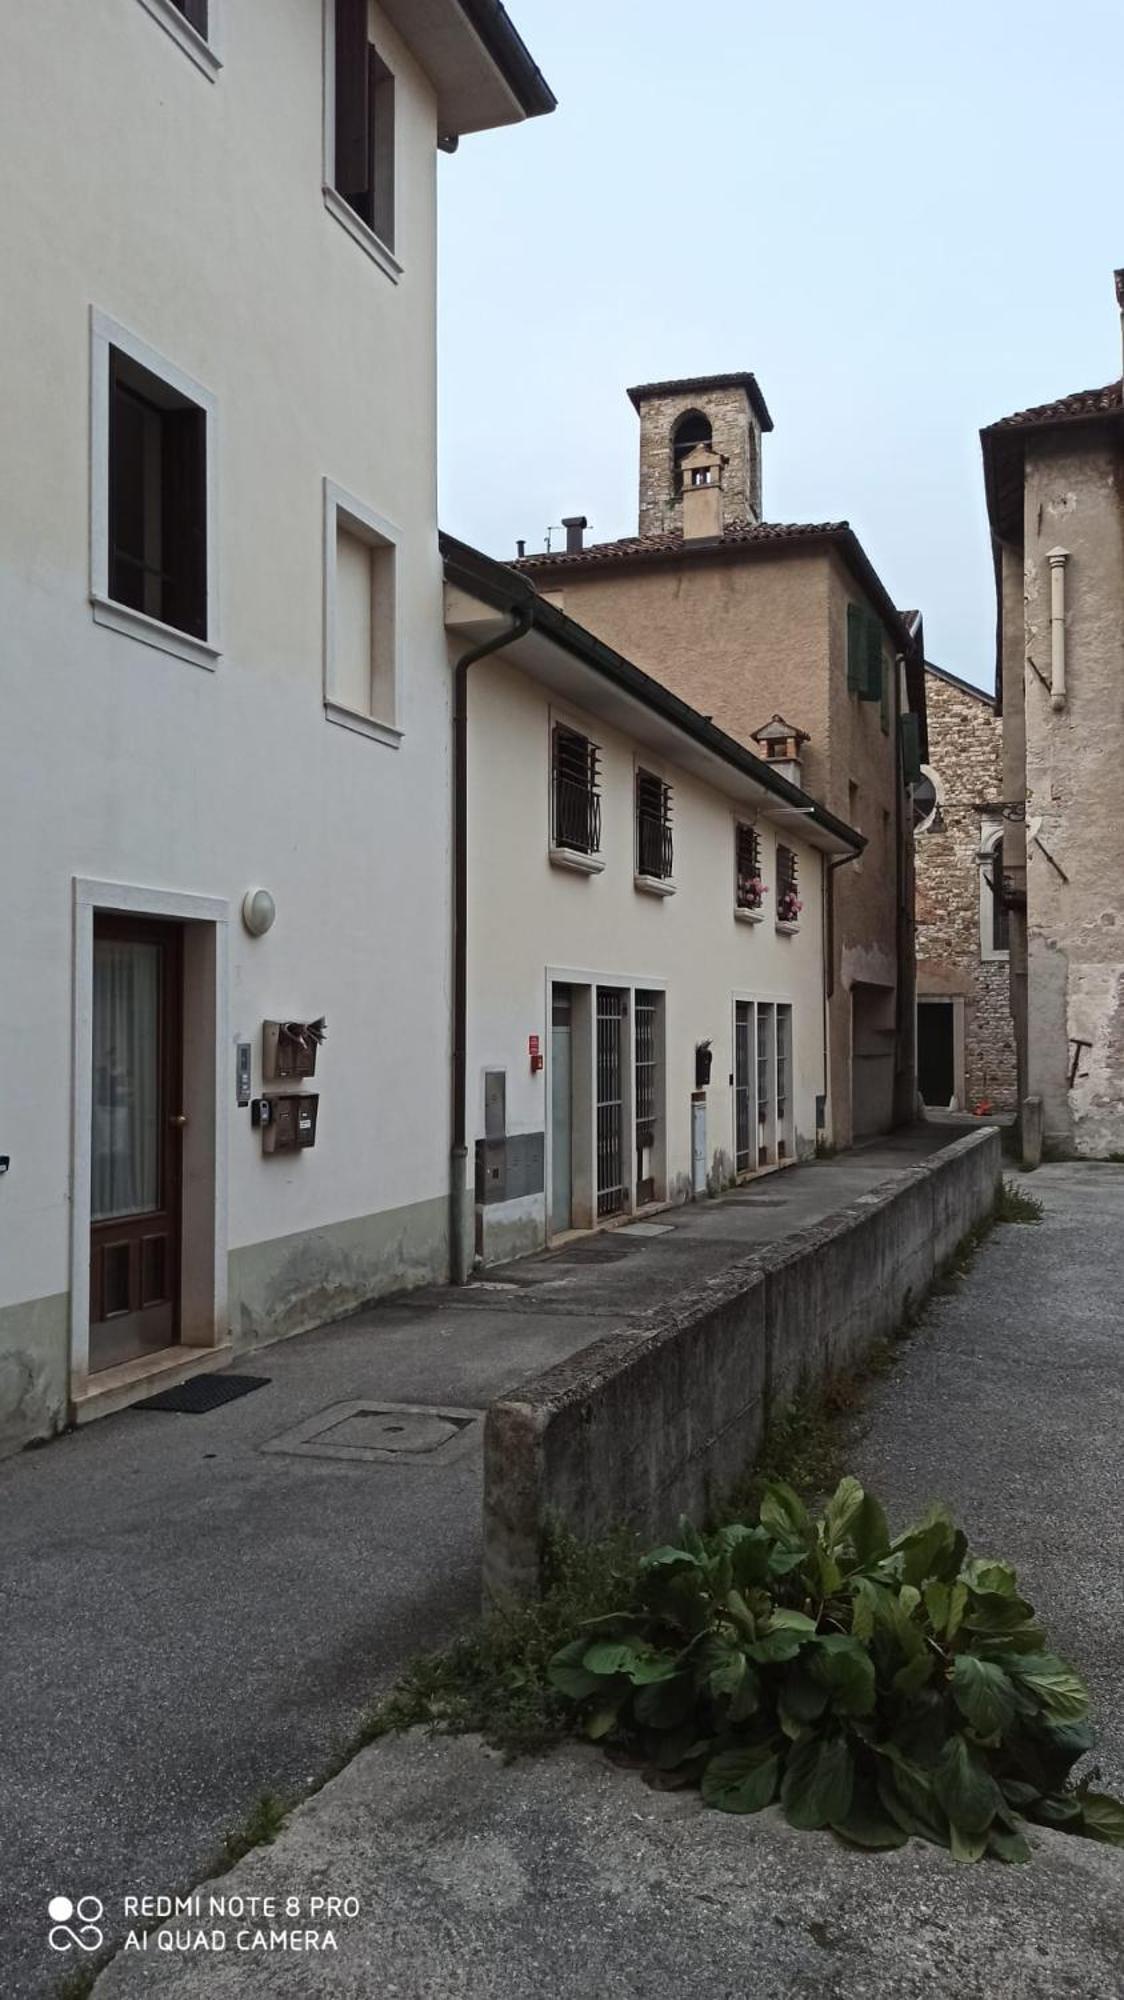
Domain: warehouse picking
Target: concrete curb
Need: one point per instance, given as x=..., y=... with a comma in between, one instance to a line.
x=658, y=1418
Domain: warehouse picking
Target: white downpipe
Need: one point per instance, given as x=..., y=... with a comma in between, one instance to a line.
x=1057, y=560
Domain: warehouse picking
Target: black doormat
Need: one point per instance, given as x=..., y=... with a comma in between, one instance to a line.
x=203, y=1393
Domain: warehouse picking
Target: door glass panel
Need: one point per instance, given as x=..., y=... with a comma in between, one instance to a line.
x=126, y=1082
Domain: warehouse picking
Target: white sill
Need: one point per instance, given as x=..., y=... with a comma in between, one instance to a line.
x=363, y=725
x=786, y=930
x=654, y=885
x=743, y=916
x=572, y=857
x=202, y=54
x=153, y=632
x=367, y=240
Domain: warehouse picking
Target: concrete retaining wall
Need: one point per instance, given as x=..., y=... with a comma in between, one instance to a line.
x=659, y=1419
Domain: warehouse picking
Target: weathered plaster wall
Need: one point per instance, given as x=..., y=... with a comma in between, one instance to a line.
x=1074, y=759
x=965, y=751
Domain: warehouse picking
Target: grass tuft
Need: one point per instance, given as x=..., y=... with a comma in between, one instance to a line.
x=260, y=1828
x=1013, y=1204
x=492, y=1680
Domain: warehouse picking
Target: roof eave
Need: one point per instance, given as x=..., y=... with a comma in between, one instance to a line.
x=501, y=586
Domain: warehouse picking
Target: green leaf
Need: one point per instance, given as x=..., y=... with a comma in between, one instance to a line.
x=742, y=1780
x=567, y=1673
x=728, y=1671
x=774, y=1647
x=908, y=1797
x=842, y=1665
x=600, y=1722
x=800, y=1701
x=791, y=1621
x=665, y=1704
x=784, y=1514
x=870, y=1536
x=966, y=1846
x=869, y=1825
x=1102, y=1817
x=915, y=1673
x=1008, y=1846
x=607, y=1657
x=958, y=1604
x=1060, y=1809
x=990, y=1576
x=1060, y=1690
x=669, y=1558
x=983, y=1694
x=938, y=1597
x=841, y=1510
x=965, y=1787
x=934, y=1548
x=818, y=1781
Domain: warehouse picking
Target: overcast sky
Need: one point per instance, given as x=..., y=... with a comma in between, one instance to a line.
x=904, y=221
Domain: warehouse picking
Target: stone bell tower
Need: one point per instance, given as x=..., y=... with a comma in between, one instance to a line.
x=725, y=414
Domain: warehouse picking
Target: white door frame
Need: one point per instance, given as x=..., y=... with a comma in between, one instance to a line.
x=203, y=1282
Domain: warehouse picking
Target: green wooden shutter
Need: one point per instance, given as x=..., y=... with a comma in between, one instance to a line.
x=910, y=728
x=872, y=679
x=856, y=648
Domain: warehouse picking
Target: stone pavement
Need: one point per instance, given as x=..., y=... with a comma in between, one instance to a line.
x=188, y=1620
x=476, y=1880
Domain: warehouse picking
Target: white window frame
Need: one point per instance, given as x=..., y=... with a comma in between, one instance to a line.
x=104, y=334
x=568, y=857
x=341, y=507
x=345, y=215
x=206, y=52
x=990, y=835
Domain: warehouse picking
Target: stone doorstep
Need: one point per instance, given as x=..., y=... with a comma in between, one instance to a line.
x=131, y=1381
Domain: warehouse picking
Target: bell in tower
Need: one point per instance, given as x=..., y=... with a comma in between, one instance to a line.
x=725, y=414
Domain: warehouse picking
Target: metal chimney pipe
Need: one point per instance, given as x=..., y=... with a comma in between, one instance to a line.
x=520, y=550
x=575, y=526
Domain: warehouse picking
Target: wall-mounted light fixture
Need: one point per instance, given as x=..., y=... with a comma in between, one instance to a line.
x=258, y=911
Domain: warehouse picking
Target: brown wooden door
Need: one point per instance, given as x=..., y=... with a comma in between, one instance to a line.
x=136, y=1138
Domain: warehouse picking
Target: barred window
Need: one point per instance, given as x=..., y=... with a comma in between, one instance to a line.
x=575, y=791
x=789, y=905
x=654, y=851
x=750, y=892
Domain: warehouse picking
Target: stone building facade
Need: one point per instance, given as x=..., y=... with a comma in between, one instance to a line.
x=1054, y=479
x=725, y=411
x=965, y=1042
x=747, y=619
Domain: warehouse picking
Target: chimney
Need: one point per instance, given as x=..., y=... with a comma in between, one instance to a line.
x=575, y=526
x=781, y=744
x=703, y=503
x=520, y=550
x=1119, y=277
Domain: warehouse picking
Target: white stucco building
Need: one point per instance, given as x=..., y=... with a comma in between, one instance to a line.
x=644, y=929
x=223, y=669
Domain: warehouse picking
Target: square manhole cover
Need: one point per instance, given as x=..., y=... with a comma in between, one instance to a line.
x=381, y=1433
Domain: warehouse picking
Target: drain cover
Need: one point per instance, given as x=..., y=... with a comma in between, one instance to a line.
x=647, y=1229
x=380, y=1432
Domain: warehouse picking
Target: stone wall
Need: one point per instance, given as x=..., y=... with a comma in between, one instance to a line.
x=965, y=753
x=735, y=433
x=659, y=1420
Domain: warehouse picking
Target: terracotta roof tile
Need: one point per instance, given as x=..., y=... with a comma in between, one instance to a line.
x=738, y=534
x=1083, y=403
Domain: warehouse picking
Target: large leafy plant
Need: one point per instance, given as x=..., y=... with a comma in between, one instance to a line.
x=878, y=1687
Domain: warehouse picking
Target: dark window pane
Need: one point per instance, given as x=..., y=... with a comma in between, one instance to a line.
x=353, y=124
x=194, y=11
x=157, y=500
x=154, y=1287
x=1000, y=915
x=381, y=99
